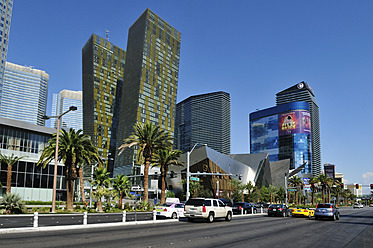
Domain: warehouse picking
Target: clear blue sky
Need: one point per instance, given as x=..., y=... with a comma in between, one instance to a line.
x=251, y=49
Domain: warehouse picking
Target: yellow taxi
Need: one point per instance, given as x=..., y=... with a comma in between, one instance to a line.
x=302, y=212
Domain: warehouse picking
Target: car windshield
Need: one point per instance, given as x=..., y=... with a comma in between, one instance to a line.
x=166, y=204
x=239, y=204
x=322, y=205
x=277, y=206
x=198, y=202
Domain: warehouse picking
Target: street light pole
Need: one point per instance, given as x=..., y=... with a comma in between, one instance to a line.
x=72, y=108
x=188, y=170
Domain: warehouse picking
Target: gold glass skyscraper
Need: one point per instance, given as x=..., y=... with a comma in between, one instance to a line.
x=103, y=70
x=150, y=81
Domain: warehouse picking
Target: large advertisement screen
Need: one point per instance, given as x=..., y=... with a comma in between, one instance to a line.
x=297, y=121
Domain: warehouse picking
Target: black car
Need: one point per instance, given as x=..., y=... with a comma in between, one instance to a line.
x=279, y=210
x=243, y=207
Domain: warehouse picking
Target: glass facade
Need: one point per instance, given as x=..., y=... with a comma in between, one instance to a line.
x=150, y=82
x=27, y=178
x=284, y=132
x=24, y=94
x=61, y=103
x=204, y=119
x=6, y=7
x=103, y=72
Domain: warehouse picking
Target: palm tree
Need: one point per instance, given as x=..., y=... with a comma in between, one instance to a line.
x=323, y=179
x=252, y=192
x=102, y=181
x=313, y=181
x=149, y=138
x=272, y=192
x=10, y=161
x=165, y=158
x=338, y=189
x=296, y=182
x=122, y=185
x=74, y=148
x=12, y=203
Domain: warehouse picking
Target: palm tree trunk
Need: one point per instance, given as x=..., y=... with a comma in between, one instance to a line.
x=120, y=200
x=146, y=178
x=163, y=185
x=81, y=184
x=323, y=194
x=313, y=196
x=337, y=199
x=99, y=204
x=9, y=179
x=70, y=195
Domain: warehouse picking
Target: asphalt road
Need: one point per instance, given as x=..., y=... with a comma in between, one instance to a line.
x=354, y=229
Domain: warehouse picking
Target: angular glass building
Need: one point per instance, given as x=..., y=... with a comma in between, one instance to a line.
x=150, y=82
x=61, y=103
x=303, y=92
x=284, y=132
x=24, y=94
x=6, y=7
x=103, y=72
x=204, y=119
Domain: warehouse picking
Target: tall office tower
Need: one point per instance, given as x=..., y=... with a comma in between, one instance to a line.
x=103, y=70
x=150, y=82
x=204, y=119
x=284, y=132
x=24, y=94
x=303, y=92
x=61, y=103
x=6, y=7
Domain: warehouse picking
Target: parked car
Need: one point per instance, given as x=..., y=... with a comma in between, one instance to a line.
x=302, y=212
x=371, y=205
x=207, y=208
x=170, y=210
x=243, y=207
x=327, y=210
x=261, y=205
x=358, y=205
x=279, y=210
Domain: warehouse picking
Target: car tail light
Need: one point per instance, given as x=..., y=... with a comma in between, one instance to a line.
x=280, y=209
x=184, y=207
x=269, y=208
x=165, y=209
x=292, y=210
x=240, y=207
x=306, y=211
x=204, y=209
x=153, y=208
x=330, y=206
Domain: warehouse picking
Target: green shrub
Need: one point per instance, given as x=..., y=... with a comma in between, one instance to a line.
x=13, y=204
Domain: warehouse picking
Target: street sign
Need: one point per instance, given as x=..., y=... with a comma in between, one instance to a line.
x=194, y=179
x=292, y=189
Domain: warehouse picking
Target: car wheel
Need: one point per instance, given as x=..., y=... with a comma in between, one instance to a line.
x=190, y=219
x=338, y=216
x=283, y=214
x=309, y=216
x=229, y=216
x=174, y=215
x=210, y=218
x=334, y=217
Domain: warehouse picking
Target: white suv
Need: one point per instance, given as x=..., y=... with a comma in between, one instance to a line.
x=207, y=208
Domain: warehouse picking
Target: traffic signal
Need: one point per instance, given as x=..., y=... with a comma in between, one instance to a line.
x=342, y=185
x=371, y=186
x=357, y=186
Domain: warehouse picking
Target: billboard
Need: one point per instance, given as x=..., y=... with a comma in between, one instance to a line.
x=329, y=170
x=297, y=121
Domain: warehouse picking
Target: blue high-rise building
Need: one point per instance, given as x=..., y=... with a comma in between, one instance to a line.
x=6, y=7
x=284, y=132
x=61, y=103
x=24, y=94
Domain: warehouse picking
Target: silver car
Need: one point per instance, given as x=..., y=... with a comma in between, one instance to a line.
x=326, y=210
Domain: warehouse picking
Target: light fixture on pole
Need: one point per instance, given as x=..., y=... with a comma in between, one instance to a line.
x=188, y=165
x=72, y=108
